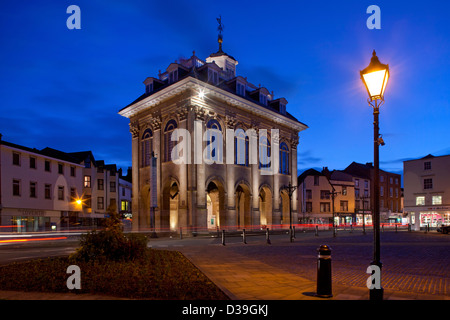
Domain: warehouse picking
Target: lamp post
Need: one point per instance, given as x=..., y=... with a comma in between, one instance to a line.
x=290, y=189
x=375, y=78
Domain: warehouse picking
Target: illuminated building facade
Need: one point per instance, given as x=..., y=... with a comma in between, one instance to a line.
x=232, y=193
x=427, y=191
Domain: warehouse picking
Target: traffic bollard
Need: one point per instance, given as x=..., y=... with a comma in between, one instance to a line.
x=267, y=236
x=244, y=240
x=293, y=228
x=395, y=228
x=181, y=233
x=223, y=237
x=317, y=231
x=324, y=272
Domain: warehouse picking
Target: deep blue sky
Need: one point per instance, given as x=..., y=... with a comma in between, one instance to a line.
x=63, y=88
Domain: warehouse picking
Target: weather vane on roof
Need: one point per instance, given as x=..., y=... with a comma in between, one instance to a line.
x=220, y=29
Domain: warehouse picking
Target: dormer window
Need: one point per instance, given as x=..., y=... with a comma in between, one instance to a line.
x=213, y=77
x=263, y=98
x=149, y=88
x=173, y=76
x=240, y=89
x=282, y=108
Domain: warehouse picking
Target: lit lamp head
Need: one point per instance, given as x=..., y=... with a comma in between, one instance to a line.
x=375, y=78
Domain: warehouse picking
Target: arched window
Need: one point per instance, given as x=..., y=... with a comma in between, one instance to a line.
x=241, y=147
x=284, y=158
x=264, y=152
x=214, y=142
x=146, y=147
x=168, y=143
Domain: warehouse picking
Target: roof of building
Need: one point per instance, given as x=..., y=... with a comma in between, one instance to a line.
x=307, y=173
x=46, y=152
x=196, y=69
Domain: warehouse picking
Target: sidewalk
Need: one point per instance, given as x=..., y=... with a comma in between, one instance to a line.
x=242, y=278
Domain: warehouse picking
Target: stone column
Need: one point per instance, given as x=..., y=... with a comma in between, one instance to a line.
x=157, y=138
x=230, y=201
x=199, y=182
x=185, y=218
x=294, y=182
x=134, y=129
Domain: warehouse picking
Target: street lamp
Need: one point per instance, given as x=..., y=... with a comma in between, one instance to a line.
x=375, y=78
x=290, y=189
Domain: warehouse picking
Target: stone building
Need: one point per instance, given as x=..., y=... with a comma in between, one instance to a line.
x=221, y=117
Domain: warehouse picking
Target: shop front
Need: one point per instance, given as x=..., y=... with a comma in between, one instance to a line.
x=433, y=217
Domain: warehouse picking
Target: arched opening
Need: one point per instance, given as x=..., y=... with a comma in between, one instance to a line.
x=215, y=204
x=169, y=214
x=265, y=206
x=243, y=209
x=284, y=208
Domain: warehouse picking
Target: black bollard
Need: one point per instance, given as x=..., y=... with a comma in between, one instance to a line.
x=293, y=228
x=181, y=233
x=244, y=240
x=317, y=231
x=267, y=236
x=395, y=228
x=223, y=237
x=324, y=272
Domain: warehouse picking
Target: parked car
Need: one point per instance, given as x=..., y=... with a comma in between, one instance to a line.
x=444, y=229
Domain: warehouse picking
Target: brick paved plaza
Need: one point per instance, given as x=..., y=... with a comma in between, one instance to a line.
x=415, y=265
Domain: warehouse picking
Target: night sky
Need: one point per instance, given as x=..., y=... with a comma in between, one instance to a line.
x=63, y=88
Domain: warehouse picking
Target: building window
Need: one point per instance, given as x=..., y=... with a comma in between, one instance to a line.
x=264, y=152
x=214, y=143
x=284, y=158
x=308, y=206
x=357, y=193
x=146, y=147
x=263, y=99
x=428, y=183
x=173, y=76
x=60, y=168
x=213, y=77
x=344, y=205
x=391, y=192
x=366, y=193
x=356, y=183
x=47, y=165
x=32, y=163
x=396, y=192
x=308, y=194
x=149, y=88
x=100, y=203
x=344, y=191
x=366, y=184
x=240, y=89
x=324, y=194
x=381, y=178
x=33, y=189
x=123, y=192
x=87, y=181
x=73, y=194
x=168, y=143
x=16, y=187
x=16, y=159
x=381, y=191
x=124, y=205
x=391, y=180
x=47, y=191
x=87, y=203
x=427, y=165
x=420, y=200
x=72, y=171
x=436, y=200
x=396, y=180
x=324, y=207
x=60, y=193
x=100, y=184
x=112, y=186
x=316, y=180
x=241, y=146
